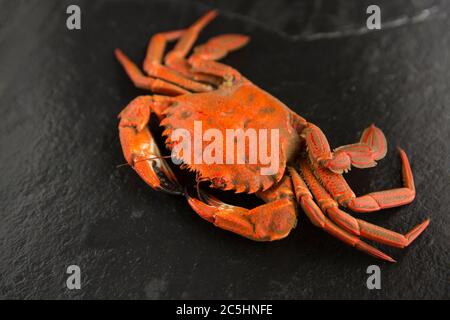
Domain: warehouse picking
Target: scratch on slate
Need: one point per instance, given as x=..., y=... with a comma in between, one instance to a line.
x=421, y=16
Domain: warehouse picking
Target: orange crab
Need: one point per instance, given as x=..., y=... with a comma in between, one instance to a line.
x=198, y=88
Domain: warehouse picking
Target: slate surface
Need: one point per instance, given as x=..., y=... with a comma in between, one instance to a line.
x=63, y=201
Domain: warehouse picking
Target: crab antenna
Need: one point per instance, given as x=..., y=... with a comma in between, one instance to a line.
x=144, y=159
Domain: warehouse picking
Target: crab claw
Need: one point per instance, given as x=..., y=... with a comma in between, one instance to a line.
x=270, y=221
x=372, y=147
x=375, y=139
x=340, y=163
x=358, y=155
x=140, y=149
x=143, y=155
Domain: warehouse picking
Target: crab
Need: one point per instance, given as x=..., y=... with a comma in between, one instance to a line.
x=196, y=87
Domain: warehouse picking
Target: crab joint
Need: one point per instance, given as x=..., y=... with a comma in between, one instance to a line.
x=250, y=146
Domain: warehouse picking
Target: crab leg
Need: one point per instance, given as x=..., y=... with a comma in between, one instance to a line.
x=188, y=38
x=153, y=61
x=356, y=226
x=214, y=68
x=154, y=57
x=317, y=217
x=144, y=82
x=372, y=146
x=155, y=52
x=183, y=67
x=159, y=71
x=388, y=198
x=336, y=185
x=140, y=149
x=154, y=68
x=270, y=221
x=157, y=45
x=216, y=48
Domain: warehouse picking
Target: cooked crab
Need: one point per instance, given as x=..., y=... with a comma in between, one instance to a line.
x=198, y=88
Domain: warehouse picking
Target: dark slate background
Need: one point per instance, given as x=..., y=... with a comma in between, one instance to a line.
x=63, y=201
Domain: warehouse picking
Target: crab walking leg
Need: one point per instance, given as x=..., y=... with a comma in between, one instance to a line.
x=153, y=61
x=336, y=185
x=218, y=47
x=189, y=37
x=157, y=45
x=140, y=149
x=388, y=198
x=144, y=82
x=356, y=226
x=159, y=81
x=159, y=71
x=183, y=67
x=214, y=49
x=214, y=68
x=316, y=216
x=372, y=147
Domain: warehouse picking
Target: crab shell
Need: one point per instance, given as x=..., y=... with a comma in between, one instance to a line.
x=240, y=106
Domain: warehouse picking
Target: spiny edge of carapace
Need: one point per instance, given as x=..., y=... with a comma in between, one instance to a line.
x=227, y=182
x=247, y=186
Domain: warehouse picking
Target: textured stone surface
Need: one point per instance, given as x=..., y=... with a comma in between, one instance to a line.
x=63, y=201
